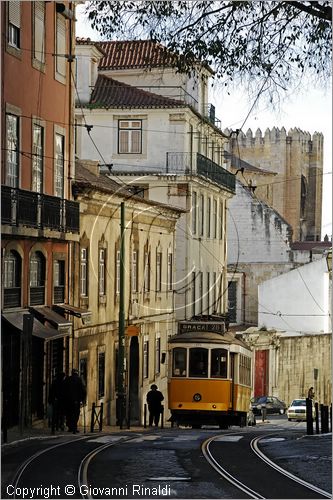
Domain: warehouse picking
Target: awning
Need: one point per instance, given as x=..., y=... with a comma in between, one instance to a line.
x=74, y=311
x=49, y=317
x=15, y=318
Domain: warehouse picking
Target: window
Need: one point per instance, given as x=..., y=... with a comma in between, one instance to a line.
x=202, y=215
x=59, y=165
x=59, y=281
x=158, y=355
x=12, y=166
x=208, y=293
x=201, y=291
x=38, y=158
x=84, y=272
x=170, y=272
x=193, y=293
x=134, y=271
x=129, y=136
x=244, y=370
x=194, y=212
x=117, y=272
x=209, y=214
x=179, y=357
x=221, y=220
x=60, y=59
x=14, y=23
x=83, y=369
x=214, y=219
x=219, y=363
x=12, y=279
x=101, y=375
x=101, y=272
x=198, y=362
x=147, y=272
x=145, y=358
x=158, y=271
x=37, y=279
x=39, y=31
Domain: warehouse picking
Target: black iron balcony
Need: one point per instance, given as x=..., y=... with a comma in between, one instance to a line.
x=198, y=164
x=12, y=297
x=26, y=208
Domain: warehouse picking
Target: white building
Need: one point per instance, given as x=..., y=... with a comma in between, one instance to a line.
x=292, y=343
x=155, y=130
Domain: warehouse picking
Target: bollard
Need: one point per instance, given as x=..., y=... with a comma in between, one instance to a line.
x=309, y=417
x=92, y=418
x=331, y=417
x=145, y=416
x=317, y=417
x=101, y=418
x=162, y=417
x=129, y=415
x=324, y=419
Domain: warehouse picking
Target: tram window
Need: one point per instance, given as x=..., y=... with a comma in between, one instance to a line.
x=179, y=362
x=219, y=363
x=198, y=362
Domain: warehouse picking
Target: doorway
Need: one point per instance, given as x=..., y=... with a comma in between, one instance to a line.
x=133, y=390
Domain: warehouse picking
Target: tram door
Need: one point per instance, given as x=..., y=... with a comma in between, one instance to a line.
x=232, y=375
x=134, y=381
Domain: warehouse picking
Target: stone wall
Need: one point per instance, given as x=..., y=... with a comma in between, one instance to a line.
x=301, y=360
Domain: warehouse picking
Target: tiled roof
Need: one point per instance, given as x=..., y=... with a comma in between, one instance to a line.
x=135, y=54
x=109, y=93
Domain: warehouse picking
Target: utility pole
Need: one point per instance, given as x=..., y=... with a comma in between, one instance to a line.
x=121, y=329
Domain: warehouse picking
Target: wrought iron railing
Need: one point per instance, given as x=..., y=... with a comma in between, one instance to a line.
x=59, y=294
x=198, y=164
x=20, y=207
x=12, y=297
x=37, y=295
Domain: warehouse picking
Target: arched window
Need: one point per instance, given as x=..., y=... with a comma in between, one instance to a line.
x=37, y=279
x=12, y=279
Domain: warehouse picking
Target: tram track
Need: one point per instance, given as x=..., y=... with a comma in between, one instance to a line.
x=242, y=486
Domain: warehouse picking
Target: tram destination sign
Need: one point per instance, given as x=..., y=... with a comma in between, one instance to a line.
x=201, y=326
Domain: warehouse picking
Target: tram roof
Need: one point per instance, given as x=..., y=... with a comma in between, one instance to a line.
x=207, y=338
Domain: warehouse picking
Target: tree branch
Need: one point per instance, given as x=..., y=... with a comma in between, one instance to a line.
x=322, y=14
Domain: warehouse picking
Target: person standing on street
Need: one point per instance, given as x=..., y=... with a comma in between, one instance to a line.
x=75, y=394
x=154, y=400
x=311, y=393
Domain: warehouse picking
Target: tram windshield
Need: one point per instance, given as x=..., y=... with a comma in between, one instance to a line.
x=179, y=362
x=219, y=363
x=198, y=362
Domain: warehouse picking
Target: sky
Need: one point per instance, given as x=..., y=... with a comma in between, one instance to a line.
x=309, y=109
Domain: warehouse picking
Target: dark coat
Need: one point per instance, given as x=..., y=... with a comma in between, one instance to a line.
x=154, y=399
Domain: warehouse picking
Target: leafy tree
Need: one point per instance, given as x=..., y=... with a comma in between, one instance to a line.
x=271, y=43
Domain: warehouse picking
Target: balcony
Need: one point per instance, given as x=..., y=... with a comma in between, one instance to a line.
x=40, y=211
x=209, y=113
x=197, y=164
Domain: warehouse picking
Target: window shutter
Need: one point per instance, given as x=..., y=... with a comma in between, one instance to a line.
x=123, y=141
x=61, y=45
x=14, y=13
x=136, y=139
x=39, y=31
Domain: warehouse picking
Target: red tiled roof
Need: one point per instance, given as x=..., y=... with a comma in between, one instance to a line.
x=135, y=54
x=109, y=93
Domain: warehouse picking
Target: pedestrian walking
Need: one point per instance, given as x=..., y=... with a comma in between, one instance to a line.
x=154, y=400
x=75, y=395
x=57, y=402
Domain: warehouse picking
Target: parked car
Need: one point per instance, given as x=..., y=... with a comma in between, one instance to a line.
x=272, y=404
x=297, y=410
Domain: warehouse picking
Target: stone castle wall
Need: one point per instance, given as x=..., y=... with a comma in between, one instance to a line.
x=296, y=158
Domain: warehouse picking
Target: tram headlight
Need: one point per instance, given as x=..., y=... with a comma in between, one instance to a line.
x=197, y=397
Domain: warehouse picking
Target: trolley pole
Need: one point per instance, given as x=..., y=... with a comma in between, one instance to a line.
x=121, y=329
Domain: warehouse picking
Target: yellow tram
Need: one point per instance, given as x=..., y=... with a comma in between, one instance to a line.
x=209, y=376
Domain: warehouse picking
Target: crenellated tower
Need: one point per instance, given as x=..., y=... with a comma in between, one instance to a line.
x=295, y=162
